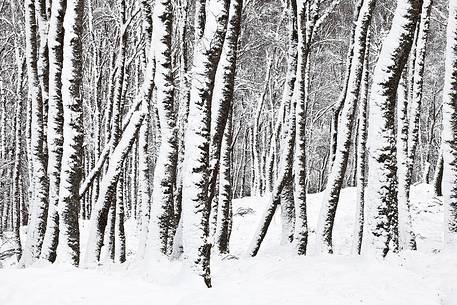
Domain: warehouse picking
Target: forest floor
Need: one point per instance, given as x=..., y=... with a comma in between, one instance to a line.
x=276, y=276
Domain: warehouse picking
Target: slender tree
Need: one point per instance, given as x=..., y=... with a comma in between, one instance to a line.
x=361, y=153
x=55, y=126
x=68, y=248
x=338, y=169
x=39, y=184
x=449, y=136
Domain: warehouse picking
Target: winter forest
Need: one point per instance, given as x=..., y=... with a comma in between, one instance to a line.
x=277, y=152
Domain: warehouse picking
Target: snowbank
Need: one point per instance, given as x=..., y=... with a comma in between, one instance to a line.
x=275, y=276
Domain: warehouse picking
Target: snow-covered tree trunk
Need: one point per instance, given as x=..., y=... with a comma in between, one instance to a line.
x=285, y=172
x=438, y=176
x=381, y=195
x=18, y=152
x=3, y=200
x=300, y=99
x=286, y=198
x=143, y=186
x=197, y=139
x=223, y=99
x=361, y=152
x=291, y=73
x=449, y=135
x=55, y=123
x=42, y=17
x=68, y=248
x=225, y=191
x=407, y=239
x=165, y=169
x=287, y=211
x=406, y=234
x=110, y=231
x=338, y=169
x=417, y=82
x=256, y=188
x=39, y=183
x=183, y=112
x=340, y=102
x=119, y=230
x=108, y=188
x=134, y=200
x=143, y=153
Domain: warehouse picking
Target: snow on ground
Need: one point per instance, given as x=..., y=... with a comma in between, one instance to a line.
x=275, y=276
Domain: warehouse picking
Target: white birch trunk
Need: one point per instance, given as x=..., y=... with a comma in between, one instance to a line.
x=39, y=184
x=196, y=177
x=68, y=248
x=449, y=135
x=381, y=195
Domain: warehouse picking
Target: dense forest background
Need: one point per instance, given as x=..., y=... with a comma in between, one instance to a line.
x=163, y=112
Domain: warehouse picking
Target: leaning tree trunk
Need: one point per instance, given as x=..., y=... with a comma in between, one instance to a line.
x=338, y=168
x=223, y=99
x=381, y=195
x=55, y=123
x=407, y=238
x=70, y=176
x=197, y=138
x=39, y=204
x=340, y=102
x=285, y=172
x=108, y=188
x=449, y=136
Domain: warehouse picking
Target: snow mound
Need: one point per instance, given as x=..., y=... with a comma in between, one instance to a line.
x=276, y=276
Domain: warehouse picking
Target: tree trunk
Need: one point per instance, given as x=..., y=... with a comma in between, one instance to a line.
x=55, y=126
x=224, y=219
x=39, y=186
x=405, y=232
x=338, y=168
x=449, y=135
x=68, y=249
x=381, y=192
x=197, y=139
x=361, y=153
x=108, y=188
x=285, y=172
x=119, y=231
x=438, y=177
x=222, y=100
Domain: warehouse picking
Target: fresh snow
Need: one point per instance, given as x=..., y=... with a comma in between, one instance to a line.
x=274, y=276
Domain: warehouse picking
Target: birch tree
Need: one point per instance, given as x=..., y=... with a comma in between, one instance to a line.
x=381, y=192
x=68, y=248
x=361, y=152
x=165, y=169
x=207, y=51
x=336, y=176
x=449, y=135
x=39, y=203
x=55, y=126
x=222, y=104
